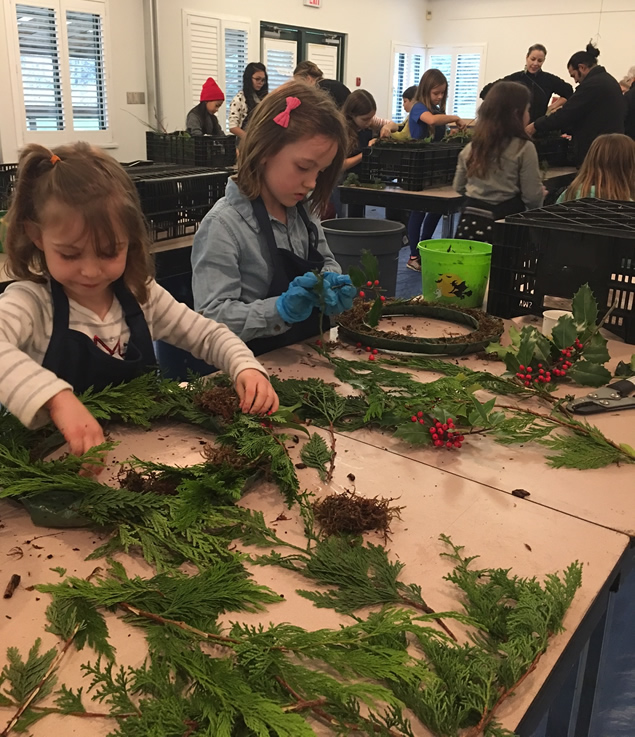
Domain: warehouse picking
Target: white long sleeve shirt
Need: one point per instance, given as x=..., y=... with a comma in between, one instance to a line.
x=26, y=324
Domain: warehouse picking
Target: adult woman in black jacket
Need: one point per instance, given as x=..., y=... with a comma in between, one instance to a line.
x=541, y=85
x=596, y=107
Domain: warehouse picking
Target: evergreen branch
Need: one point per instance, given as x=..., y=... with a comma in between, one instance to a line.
x=45, y=682
x=316, y=454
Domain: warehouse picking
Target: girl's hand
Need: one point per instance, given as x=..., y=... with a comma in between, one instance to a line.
x=385, y=132
x=531, y=130
x=372, y=142
x=461, y=124
x=257, y=396
x=79, y=428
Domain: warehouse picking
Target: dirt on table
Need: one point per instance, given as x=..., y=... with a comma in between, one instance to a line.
x=351, y=514
x=151, y=481
x=219, y=400
x=223, y=455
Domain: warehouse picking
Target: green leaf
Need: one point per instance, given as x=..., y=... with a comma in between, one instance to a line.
x=589, y=374
x=595, y=350
x=584, y=307
x=59, y=570
x=528, y=338
x=315, y=453
x=512, y=362
x=543, y=348
x=357, y=276
x=370, y=265
x=626, y=369
x=69, y=702
x=500, y=350
x=514, y=336
x=373, y=315
x=414, y=433
x=564, y=332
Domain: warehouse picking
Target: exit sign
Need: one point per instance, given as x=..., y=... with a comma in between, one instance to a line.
x=313, y=3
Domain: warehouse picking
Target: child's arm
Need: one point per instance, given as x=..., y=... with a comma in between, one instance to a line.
x=441, y=119
x=175, y=323
x=531, y=189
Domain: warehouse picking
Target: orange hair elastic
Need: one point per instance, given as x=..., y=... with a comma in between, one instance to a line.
x=55, y=158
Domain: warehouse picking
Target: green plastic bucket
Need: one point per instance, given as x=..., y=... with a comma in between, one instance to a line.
x=455, y=271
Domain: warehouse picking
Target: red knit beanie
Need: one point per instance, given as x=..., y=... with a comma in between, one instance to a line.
x=211, y=91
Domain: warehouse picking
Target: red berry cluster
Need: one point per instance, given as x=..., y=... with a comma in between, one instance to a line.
x=266, y=422
x=526, y=375
x=443, y=433
x=371, y=351
x=375, y=284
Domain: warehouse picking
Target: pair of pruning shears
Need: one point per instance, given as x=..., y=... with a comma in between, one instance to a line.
x=616, y=396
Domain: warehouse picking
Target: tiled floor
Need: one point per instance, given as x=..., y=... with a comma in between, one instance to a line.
x=614, y=705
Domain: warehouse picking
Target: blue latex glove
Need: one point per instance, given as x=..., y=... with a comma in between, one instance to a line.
x=341, y=297
x=297, y=303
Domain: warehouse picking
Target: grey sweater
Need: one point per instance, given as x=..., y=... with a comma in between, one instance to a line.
x=232, y=268
x=518, y=174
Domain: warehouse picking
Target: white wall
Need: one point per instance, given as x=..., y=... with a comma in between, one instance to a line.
x=509, y=27
x=127, y=74
x=371, y=25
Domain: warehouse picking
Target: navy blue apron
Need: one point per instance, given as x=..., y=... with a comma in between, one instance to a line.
x=286, y=266
x=75, y=358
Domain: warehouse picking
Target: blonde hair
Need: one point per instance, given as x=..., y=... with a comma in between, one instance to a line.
x=609, y=166
x=315, y=116
x=97, y=188
x=431, y=79
x=308, y=69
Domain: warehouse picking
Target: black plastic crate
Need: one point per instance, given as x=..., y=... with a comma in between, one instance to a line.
x=8, y=175
x=181, y=148
x=553, y=150
x=413, y=168
x=174, y=203
x=552, y=251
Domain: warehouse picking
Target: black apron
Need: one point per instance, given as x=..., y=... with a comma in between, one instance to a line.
x=75, y=358
x=286, y=266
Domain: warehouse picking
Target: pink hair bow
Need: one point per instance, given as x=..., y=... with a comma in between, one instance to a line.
x=284, y=117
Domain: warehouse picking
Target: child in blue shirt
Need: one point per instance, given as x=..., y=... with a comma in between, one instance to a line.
x=427, y=119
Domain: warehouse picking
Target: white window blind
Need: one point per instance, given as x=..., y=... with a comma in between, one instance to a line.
x=38, y=39
x=236, y=53
x=280, y=58
x=213, y=47
x=202, y=42
x=408, y=63
x=325, y=56
x=462, y=67
x=60, y=83
x=86, y=69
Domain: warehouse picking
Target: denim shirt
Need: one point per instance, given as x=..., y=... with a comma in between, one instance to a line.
x=232, y=269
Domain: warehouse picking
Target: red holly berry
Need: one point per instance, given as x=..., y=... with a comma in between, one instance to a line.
x=422, y=422
x=529, y=369
x=362, y=294
x=521, y=367
x=419, y=413
x=376, y=282
x=375, y=351
x=435, y=437
x=433, y=431
x=444, y=426
x=413, y=418
x=369, y=284
x=527, y=383
x=539, y=365
x=358, y=345
x=318, y=343
x=368, y=349
x=438, y=443
x=382, y=298
x=371, y=357
x=541, y=370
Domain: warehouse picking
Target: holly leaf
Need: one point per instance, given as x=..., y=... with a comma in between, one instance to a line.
x=286, y=417
x=584, y=307
x=414, y=433
x=527, y=346
x=626, y=369
x=589, y=374
x=373, y=315
x=500, y=350
x=542, y=351
x=512, y=362
x=595, y=350
x=564, y=332
x=370, y=265
x=514, y=336
x=357, y=276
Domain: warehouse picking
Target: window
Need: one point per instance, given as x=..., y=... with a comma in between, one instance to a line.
x=218, y=48
x=61, y=80
x=283, y=46
x=408, y=64
x=463, y=68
